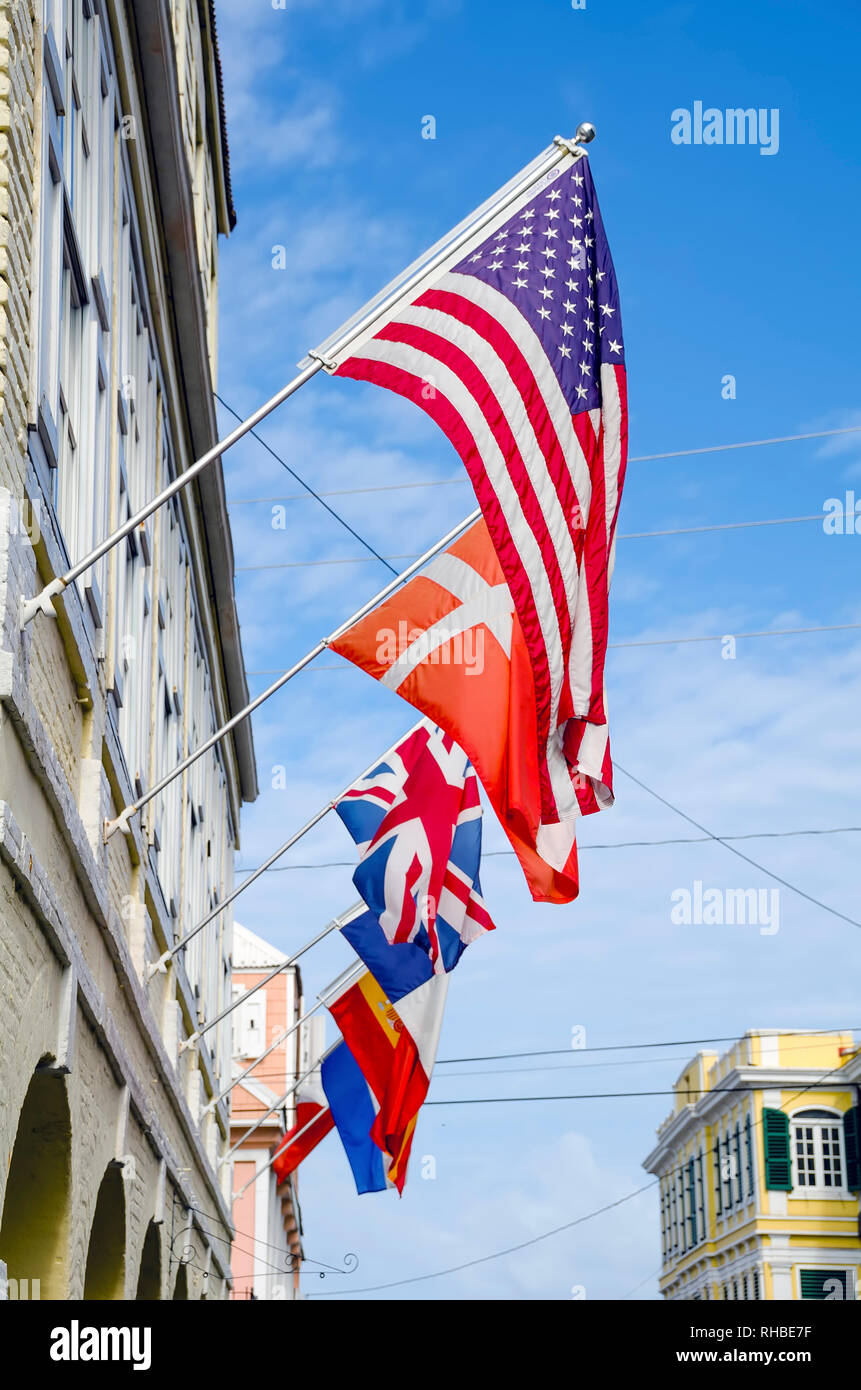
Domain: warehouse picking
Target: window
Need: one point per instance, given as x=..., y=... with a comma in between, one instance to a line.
x=692, y=1201
x=170, y=620
x=251, y=1027
x=701, y=1196
x=69, y=439
x=673, y=1214
x=727, y=1172
x=737, y=1169
x=818, y=1150
x=829, y=1284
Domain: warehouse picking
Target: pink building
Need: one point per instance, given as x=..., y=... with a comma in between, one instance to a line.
x=267, y=1249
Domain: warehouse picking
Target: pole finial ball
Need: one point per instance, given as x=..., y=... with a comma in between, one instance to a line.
x=584, y=133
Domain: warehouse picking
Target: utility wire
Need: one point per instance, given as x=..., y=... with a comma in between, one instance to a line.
x=631, y=536
x=308, y=489
x=793, y=888
x=453, y=482
x=597, y=1095
x=613, y=844
x=587, y=1066
x=484, y=1259
x=497, y=1255
x=634, y=1047
x=638, y=642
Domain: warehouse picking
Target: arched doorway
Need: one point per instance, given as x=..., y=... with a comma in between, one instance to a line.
x=35, y=1226
x=180, y=1288
x=106, y=1257
x=149, y=1275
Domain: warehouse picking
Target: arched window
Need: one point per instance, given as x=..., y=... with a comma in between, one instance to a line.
x=817, y=1149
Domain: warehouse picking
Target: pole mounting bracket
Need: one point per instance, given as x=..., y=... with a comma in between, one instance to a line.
x=122, y=822
x=41, y=602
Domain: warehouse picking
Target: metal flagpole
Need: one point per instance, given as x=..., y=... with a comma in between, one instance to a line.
x=449, y=245
x=121, y=822
x=335, y=925
x=161, y=963
x=344, y=979
x=265, y=1169
x=252, y=1066
x=43, y=601
x=287, y=1094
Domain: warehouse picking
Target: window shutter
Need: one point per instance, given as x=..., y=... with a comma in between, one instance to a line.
x=827, y=1284
x=852, y=1147
x=778, y=1170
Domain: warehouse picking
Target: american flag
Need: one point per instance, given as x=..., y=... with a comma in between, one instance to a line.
x=515, y=349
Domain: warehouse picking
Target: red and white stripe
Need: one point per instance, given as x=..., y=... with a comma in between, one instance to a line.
x=466, y=355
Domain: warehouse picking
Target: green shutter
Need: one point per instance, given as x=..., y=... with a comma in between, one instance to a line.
x=852, y=1146
x=778, y=1169
x=692, y=1200
x=824, y=1284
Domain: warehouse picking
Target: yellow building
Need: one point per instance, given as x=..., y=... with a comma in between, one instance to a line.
x=760, y=1167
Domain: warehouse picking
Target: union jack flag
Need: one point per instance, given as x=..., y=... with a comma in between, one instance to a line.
x=416, y=819
x=513, y=344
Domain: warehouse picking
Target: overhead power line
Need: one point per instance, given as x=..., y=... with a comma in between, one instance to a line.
x=634, y=1047
x=456, y=482
x=557, y=1230
x=617, y=646
x=612, y=844
x=309, y=491
x=793, y=888
x=498, y=1254
x=630, y=536
x=599, y=1095
x=576, y=1065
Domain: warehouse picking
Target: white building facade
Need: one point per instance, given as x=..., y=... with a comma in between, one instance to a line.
x=114, y=188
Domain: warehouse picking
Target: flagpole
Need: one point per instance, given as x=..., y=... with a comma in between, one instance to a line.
x=316, y=360
x=265, y=1169
x=121, y=822
x=335, y=925
x=442, y=251
x=42, y=602
x=216, y=1100
x=287, y=1094
x=161, y=963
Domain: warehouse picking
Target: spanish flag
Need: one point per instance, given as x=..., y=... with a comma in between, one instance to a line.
x=391, y=1022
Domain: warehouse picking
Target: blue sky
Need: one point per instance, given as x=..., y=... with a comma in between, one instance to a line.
x=729, y=262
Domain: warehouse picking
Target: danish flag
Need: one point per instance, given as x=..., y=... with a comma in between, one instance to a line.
x=459, y=655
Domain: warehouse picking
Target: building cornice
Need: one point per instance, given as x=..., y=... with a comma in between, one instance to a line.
x=730, y=1090
x=218, y=134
